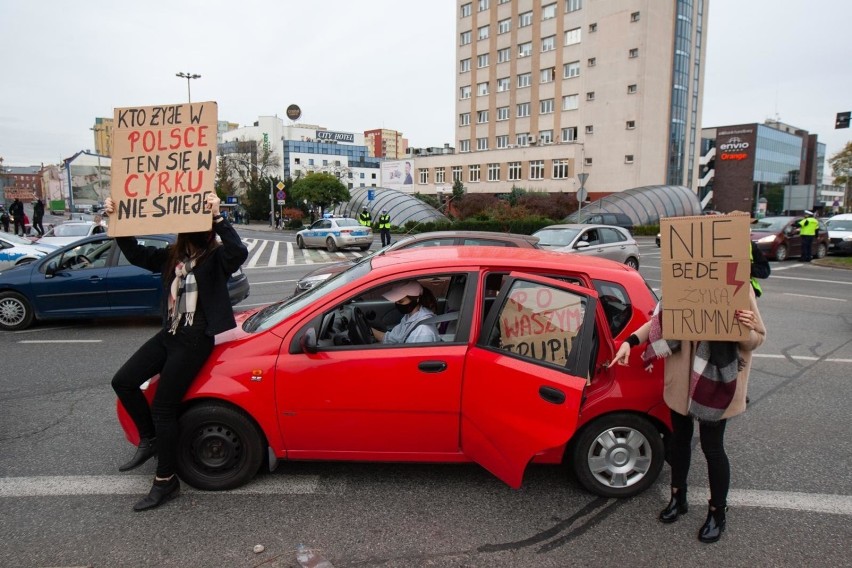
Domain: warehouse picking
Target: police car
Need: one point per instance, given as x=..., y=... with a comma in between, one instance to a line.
x=335, y=233
x=15, y=250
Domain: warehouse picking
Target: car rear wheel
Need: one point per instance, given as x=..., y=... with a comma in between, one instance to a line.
x=219, y=447
x=632, y=263
x=618, y=455
x=331, y=245
x=781, y=253
x=365, y=247
x=15, y=312
x=821, y=250
x=300, y=242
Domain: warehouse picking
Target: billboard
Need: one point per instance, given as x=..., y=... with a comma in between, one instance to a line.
x=86, y=181
x=733, y=180
x=398, y=174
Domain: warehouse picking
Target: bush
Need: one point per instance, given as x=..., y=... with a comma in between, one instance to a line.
x=646, y=230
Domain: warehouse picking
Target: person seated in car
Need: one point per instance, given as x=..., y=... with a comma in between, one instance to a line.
x=413, y=301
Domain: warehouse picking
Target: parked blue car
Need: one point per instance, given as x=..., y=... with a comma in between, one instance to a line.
x=90, y=278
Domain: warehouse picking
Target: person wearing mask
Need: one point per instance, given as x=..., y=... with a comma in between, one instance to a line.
x=416, y=304
x=365, y=218
x=4, y=218
x=688, y=364
x=196, y=307
x=38, y=216
x=384, y=227
x=808, y=229
x=16, y=210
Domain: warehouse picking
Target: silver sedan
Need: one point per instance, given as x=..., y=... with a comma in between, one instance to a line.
x=335, y=233
x=602, y=241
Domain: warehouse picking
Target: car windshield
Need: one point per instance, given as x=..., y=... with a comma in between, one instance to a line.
x=347, y=223
x=273, y=314
x=556, y=237
x=839, y=225
x=70, y=231
x=770, y=224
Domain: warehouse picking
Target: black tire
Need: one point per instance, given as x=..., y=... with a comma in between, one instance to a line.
x=15, y=312
x=632, y=263
x=219, y=447
x=821, y=250
x=365, y=247
x=330, y=245
x=624, y=469
x=300, y=242
x=781, y=253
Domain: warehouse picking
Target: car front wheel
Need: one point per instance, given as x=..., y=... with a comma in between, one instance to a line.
x=821, y=250
x=781, y=253
x=632, y=263
x=618, y=455
x=300, y=242
x=330, y=245
x=15, y=312
x=219, y=447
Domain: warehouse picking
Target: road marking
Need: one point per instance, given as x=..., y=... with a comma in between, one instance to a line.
x=61, y=341
x=273, y=255
x=808, y=279
x=256, y=257
x=272, y=282
x=802, y=358
x=815, y=297
x=810, y=502
x=289, y=254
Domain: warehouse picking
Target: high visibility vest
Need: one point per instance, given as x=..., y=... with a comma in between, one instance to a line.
x=809, y=226
x=754, y=283
x=384, y=221
x=365, y=218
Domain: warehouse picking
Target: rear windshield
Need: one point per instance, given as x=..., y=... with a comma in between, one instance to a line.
x=347, y=223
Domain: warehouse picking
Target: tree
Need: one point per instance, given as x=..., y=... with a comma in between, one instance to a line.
x=320, y=190
x=428, y=199
x=458, y=192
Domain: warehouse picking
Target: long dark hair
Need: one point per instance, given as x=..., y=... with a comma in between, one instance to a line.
x=187, y=246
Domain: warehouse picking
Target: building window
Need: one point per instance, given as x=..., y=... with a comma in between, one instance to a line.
x=523, y=110
x=525, y=49
x=503, y=1
x=424, y=175
x=570, y=102
x=628, y=158
x=593, y=27
x=560, y=169
x=465, y=37
x=631, y=89
x=439, y=175
x=504, y=84
x=464, y=65
x=592, y=62
x=504, y=55
x=481, y=117
x=457, y=173
x=493, y=172
x=481, y=89
x=525, y=19
x=502, y=113
x=590, y=129
x=548, y=43
x=514, y=171
x=482, y=5
x=572, y=36
x=524, y=80
x=465, y=10
x=569, y=134
x=545, y=137
x=482, y=32
x=548, y=75
x=590, y=96
x=634, y=17
x=482, y=61
x=570, y=70
x=548, y=12
x=464, y=119
x=630, y=124
x=573, y=5
x=464, y=145
x=473, y=173
x=504, y=26
x=536, y=169
x=633, y=53
x=464, y=92
x=545, y=106
x=522, y=139
x=587, y=161
x=502, y=141
x=482, y=143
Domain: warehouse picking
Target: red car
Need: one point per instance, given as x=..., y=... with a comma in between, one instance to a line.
x=778, y=238
x=519, y=374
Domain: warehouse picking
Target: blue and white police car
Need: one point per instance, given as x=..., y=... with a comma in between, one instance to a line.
x=15, y=250
x=335, y=233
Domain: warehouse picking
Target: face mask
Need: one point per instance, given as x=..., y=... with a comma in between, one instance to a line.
x=406, y=309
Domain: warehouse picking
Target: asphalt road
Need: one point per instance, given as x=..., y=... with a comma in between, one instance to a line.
x=63, y=502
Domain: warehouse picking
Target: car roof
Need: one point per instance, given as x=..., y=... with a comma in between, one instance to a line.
x=474, y=235
x=579, y=226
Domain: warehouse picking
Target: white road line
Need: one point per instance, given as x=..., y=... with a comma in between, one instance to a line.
x=273, y=255
x=290, y=260
x=61, y=341
x=808, y=279
x=256, y=257
x=306, y=254
x=802, y=358
x=250, y=243
x=810, y=502
x=814, y=297
x=324, y=256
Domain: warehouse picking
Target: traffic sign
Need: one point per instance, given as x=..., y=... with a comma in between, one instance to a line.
x=281, y=195
x=371, y=194
x=280, y=202
x=280, y=185
x=842, y=120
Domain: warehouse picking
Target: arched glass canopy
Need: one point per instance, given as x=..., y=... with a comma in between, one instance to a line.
x=644, y=205
x=402, y=207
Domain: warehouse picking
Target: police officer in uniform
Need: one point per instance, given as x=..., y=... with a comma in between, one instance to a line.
x=384, y=227
x=809, y=227
x=365, y=218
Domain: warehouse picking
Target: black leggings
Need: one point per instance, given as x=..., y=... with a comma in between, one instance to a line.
x=177, y=358
x=712, y=436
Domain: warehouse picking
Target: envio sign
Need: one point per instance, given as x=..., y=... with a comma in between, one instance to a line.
x=734, y=149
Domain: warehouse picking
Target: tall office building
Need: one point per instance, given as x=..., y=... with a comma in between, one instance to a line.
x=547, y=90
x=385, y=143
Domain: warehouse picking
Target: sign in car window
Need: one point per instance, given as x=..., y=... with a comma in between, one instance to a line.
x=540, y=322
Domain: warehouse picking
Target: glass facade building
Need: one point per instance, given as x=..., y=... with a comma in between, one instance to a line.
x=778, y=156
x=356, y=156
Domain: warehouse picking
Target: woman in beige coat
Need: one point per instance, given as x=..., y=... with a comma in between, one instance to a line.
x=680, y=373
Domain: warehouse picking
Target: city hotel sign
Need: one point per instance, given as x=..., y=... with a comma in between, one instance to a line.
x=329, y=136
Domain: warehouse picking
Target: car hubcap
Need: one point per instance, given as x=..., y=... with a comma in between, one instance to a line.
x=11, y=312
x=620, y=457
x=216, y=448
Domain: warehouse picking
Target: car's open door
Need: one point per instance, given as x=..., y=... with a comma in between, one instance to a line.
x=524, y=378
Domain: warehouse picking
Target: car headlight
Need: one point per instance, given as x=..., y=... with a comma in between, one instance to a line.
x=766, y=239
x=847, y=238
x=311, y=281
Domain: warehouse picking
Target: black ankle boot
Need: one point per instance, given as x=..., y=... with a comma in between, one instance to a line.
x=162, y=491
x=677, y=506
x=147, y=448
x=712, y=529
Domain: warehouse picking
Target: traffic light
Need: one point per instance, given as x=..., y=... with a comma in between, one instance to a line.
x=842, y=120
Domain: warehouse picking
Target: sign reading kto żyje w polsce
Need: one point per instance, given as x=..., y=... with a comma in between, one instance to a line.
x=705, y=272
x=164, y=165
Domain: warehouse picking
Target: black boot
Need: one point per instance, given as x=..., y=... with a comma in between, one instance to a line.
x=147, y=448
x=712, y=529
x=677, y=506
x=162, y=491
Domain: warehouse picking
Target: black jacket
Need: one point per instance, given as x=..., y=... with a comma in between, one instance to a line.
x=38, y=210
x=211, y=275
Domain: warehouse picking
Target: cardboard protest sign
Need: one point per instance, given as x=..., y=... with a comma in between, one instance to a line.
x=163, y=166
x=706, y=270
x=540, y=322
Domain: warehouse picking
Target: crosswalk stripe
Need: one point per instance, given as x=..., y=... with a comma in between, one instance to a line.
x=273, y=256
x=253, y=261
x=282, y=253
x=289, y=254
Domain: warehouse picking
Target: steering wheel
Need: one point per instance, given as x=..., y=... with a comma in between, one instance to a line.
x=77, y=261
x=359, y=330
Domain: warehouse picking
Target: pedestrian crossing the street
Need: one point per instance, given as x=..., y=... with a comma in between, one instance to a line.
x=265, y=253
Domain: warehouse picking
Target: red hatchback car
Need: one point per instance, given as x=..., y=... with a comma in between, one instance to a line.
x=518, y=374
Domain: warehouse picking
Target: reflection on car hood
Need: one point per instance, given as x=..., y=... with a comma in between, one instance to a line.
x=237, y=332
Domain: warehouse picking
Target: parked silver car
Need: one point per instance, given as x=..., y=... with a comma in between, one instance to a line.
x=603, y=241
x=335, y=233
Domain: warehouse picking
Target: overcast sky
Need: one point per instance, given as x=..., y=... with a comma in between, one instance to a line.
x=358, y=65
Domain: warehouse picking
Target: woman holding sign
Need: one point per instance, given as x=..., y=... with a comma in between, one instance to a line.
x=196, y=307
x=707, y=381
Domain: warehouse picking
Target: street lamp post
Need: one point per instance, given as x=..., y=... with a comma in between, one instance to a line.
x=188, y=77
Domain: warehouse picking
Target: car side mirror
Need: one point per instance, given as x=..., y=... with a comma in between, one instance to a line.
x=581, y=245
x=51, y=269
x=308, y=341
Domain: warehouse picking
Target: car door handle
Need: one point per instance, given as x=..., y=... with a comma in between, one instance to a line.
x=552, y=395
x=95, y=279
x=432, y=366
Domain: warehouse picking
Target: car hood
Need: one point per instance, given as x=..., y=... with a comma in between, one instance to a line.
x=755, y=235
x=838, y=234
x=236, y=333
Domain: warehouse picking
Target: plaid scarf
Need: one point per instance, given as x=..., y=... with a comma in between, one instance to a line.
x=183, y=295
x=713, y=379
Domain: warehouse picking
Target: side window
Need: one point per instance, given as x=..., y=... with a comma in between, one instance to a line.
x=616, y=305
x=84, y=256
x=612, y=236
x=485, y=243
x=538, y=323
x=446, y=241
x=145, y=242
x=591, y=237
